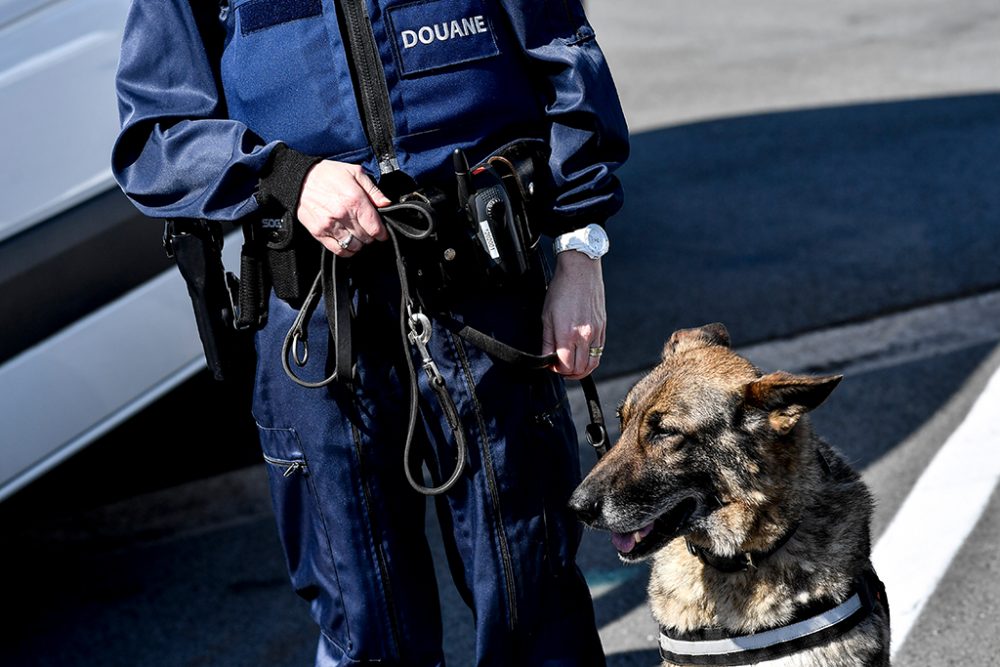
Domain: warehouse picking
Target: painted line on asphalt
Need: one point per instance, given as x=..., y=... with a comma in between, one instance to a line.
x=883, y=342
x=917, y=548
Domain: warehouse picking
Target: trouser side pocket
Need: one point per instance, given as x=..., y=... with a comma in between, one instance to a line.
x=303, y=531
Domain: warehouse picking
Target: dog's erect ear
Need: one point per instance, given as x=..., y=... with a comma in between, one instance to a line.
x=787, y=397
x=689, y=339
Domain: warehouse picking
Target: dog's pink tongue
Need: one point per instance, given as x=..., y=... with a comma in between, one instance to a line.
x=625, y=542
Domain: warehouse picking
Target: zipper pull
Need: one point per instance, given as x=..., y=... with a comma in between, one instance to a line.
x=295, y=465
x=544, y=419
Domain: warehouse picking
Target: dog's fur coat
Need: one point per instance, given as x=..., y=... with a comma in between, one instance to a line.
x=714, y=452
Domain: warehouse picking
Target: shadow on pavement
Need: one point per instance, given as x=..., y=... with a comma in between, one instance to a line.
x=872, y=413
x=780, y=223
x=621, y=600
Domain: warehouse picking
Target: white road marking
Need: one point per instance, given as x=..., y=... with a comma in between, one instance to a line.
x=887, y=341
x=917, y=548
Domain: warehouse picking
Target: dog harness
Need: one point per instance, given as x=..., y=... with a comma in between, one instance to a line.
x=812, y=626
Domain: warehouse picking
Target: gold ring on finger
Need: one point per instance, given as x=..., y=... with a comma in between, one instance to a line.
x=596, y=350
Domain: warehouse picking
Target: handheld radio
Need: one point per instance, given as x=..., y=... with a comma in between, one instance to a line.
x=497, y=226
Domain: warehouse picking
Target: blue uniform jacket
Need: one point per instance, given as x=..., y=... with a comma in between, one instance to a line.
x=207, y=92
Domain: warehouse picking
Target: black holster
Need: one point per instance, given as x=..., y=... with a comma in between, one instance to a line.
x=196, y=246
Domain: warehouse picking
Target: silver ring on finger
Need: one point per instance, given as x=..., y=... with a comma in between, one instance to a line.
x=346, y=242
x=596, y=350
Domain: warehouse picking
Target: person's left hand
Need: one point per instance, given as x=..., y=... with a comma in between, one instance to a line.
x=573, y=316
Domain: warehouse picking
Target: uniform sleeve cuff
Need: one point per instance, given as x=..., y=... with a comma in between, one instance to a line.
x=281, y=179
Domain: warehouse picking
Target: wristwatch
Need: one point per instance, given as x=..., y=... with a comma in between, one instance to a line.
x=591, y=240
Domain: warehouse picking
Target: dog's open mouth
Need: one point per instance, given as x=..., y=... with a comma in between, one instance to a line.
x=637, y=544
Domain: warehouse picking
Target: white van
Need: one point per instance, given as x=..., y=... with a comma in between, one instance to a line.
x=96, y=323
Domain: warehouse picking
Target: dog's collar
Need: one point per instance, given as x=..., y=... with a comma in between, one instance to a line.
x=740, y=562
x=713, y=646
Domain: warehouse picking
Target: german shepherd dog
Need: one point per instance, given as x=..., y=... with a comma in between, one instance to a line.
x=758, y=530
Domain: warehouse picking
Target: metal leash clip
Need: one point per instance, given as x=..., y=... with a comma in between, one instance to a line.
x=420, y=335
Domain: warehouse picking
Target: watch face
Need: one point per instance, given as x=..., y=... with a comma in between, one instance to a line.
x=591, y=240
x=598, y=240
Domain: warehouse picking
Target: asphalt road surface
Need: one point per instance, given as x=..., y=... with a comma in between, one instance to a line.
x=821, y=178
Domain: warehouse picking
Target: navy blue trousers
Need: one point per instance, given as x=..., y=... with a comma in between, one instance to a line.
x=353, y=529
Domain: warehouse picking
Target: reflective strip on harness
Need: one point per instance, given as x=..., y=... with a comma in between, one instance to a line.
x=708, y=651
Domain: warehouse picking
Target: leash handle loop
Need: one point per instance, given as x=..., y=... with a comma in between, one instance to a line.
x=297, y=333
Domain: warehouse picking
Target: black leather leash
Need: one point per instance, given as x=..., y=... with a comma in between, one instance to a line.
x=596, y=431
x=415, y=327
x=331, y=282
x=415, y=330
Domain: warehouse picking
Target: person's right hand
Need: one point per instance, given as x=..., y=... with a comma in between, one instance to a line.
x=338, y=203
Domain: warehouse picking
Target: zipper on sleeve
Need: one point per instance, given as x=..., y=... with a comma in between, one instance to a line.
x=369, y=82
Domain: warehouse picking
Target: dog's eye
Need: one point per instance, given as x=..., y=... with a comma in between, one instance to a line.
x=663, y=434
x=667, y=437
x=618, y=411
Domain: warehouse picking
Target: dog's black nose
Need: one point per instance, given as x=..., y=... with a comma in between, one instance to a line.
x=587, y=505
